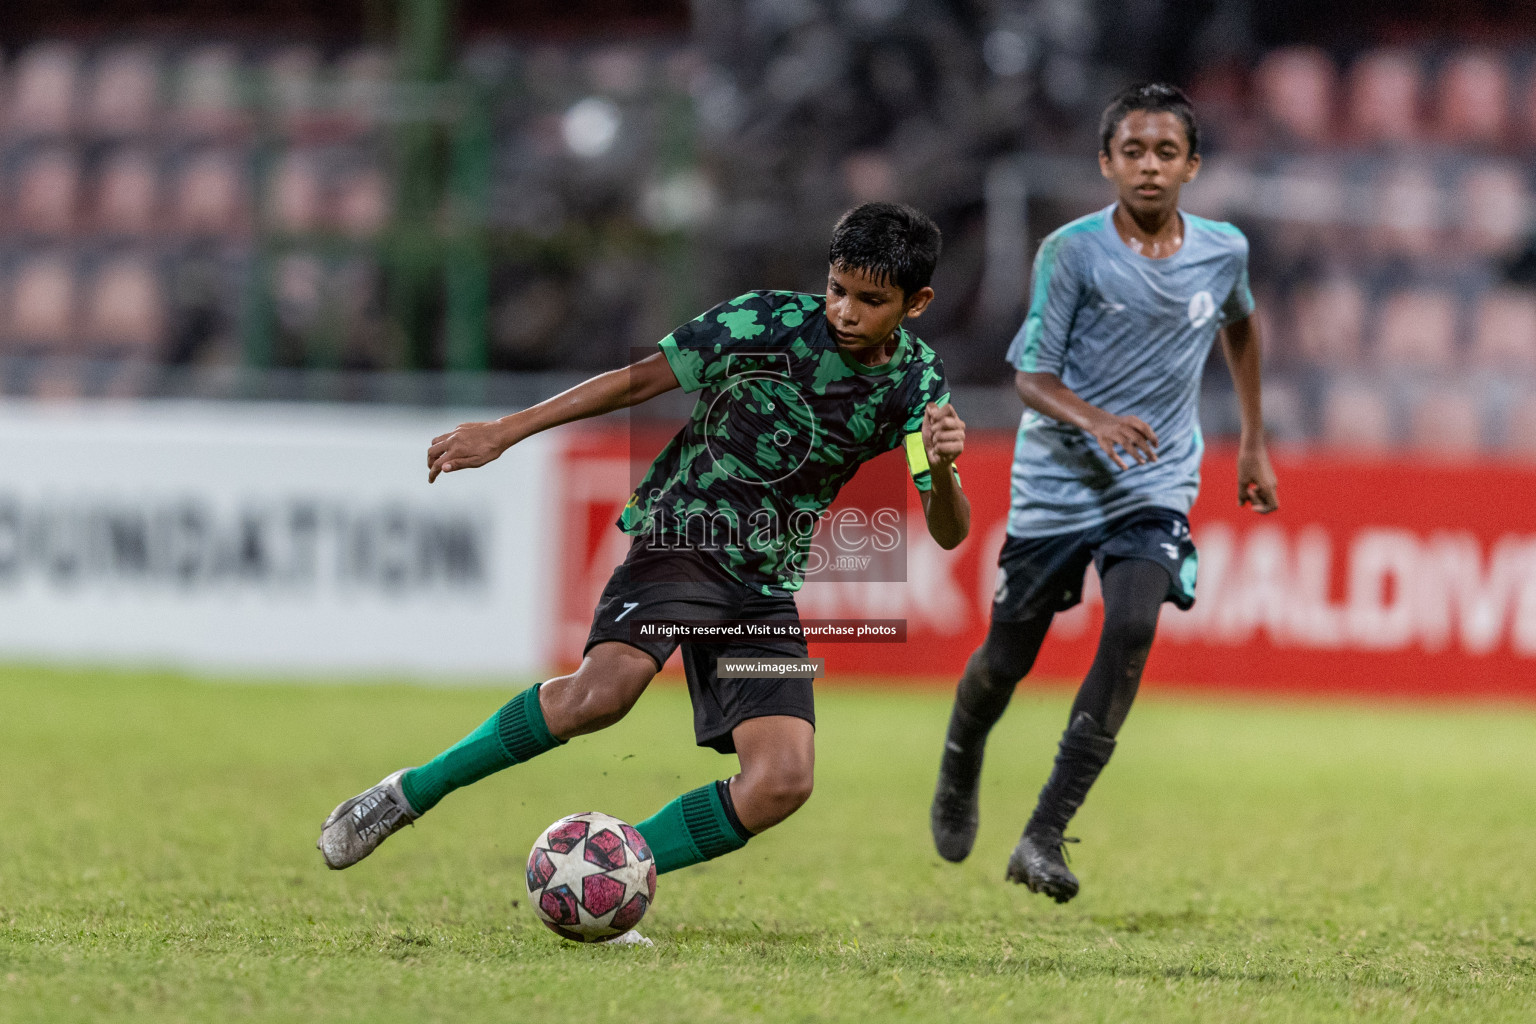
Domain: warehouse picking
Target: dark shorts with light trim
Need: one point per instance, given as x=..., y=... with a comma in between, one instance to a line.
x=680, y=585
x=1043, y=575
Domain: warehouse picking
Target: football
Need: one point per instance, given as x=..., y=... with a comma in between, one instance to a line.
x=591, y=877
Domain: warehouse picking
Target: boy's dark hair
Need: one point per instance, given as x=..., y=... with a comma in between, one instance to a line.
x=890, y=242
x=1154, y=98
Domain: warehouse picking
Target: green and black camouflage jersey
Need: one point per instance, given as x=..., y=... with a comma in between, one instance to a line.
x=783, y=421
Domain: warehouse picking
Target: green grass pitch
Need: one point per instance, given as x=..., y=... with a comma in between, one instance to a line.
x=1241, y=862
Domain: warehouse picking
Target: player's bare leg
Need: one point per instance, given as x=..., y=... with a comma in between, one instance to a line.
x=600, y=692
x=778, y=756
x=778, y=761
x=1133, y=594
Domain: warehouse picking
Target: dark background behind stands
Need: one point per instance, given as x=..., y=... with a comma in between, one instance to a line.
x=210, y=203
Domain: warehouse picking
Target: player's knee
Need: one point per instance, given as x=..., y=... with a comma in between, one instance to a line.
x=1009, y=651
x=1000, y=666
x=792, y=786
x=777, y=791
x=1131, y=632
x=784, y=792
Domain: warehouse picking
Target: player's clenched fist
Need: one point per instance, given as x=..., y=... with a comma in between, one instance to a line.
x=466, y=446
x=1256, y=484
x=943, y=435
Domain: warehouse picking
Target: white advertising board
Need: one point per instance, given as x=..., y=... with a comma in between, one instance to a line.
x=268, y=539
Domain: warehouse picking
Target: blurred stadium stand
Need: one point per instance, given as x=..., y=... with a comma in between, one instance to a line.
x=221, y=212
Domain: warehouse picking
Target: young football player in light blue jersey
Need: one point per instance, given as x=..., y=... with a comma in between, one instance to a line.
x=1124, y=307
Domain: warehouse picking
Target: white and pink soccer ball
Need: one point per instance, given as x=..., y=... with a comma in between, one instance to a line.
x=591, y=877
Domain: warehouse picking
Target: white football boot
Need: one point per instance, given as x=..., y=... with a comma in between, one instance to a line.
x=357, y=826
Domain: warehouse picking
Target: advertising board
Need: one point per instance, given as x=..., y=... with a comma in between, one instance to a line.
x=266, y=539
x=1390, y=575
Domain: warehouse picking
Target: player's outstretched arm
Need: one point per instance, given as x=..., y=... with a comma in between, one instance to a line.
x=474, y=444
x=1256, y=484
x=946, y=507
x=1046, y=394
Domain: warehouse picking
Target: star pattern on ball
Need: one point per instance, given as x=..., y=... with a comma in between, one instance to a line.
x=585, y=894
x=570, y=868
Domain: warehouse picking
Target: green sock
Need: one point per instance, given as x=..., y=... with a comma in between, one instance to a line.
x=511, y=736
x=699, y=825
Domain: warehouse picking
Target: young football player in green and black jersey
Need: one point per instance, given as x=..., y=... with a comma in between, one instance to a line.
x=796, y=391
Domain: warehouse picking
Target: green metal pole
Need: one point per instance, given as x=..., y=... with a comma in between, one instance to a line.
x=468, y=270
x=424, y=42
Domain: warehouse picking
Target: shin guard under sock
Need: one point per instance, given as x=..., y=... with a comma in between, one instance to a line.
x=511, y=736
x=1084, y=751
x=700, y=825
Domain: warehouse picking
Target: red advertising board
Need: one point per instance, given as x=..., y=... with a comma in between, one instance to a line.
x=1376, y=576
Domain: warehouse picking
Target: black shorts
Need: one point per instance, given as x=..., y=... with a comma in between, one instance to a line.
x=1042, y=575
x=679, y=585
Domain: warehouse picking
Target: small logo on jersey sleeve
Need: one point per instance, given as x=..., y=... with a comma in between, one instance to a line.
x=1201, y=308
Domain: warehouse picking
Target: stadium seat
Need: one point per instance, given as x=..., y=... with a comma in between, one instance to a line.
x=1473, y=101
x=1312, y=193
x=207, y=91
x=1296, y=88
x=1329, y=320
x=43, y=90
x=1504, y=330
x=124, y=309
x=1446, y=424
x=1284, y=411
x=48, y=192
x=294, y=193
x=1416, y=329
x=617, y=70
x=1384, y=88
x=1525, y=111
x=362, y=78
x=1495, y=209
x=126, y=195
x=293, y=83
x=362, y=202
x=210, y=195
x=42, y=306
x=124, y=96
x=1408, y=211
x=299, y=285
x=1356, y=418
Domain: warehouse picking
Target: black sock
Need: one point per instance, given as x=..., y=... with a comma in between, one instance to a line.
x=1082, y=754
x=1134, y=590
x=986, y=686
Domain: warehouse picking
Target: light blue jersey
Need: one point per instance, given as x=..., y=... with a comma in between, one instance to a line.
x=1130, y=335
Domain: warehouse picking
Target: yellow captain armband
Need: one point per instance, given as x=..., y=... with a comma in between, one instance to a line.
x=917, y=455
x=917, y=462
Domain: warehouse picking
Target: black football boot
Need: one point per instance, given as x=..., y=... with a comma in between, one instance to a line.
x=954, y=816
x=1039, y=861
